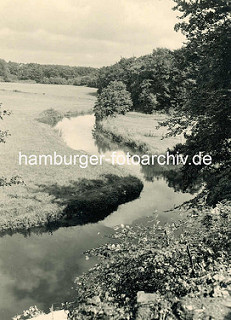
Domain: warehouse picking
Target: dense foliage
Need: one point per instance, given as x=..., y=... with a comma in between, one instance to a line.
x=114, y=99
x=48, y=74
x=154, y=258
x=207, y=99
x=153, y=80
x=193, y=85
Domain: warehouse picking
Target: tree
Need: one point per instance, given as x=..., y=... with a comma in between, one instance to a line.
x=4, y=71
x=54, y=74
x=150, y=85
x=206, y=108
x=114, y=99
x=147, y=99
x=151, y=79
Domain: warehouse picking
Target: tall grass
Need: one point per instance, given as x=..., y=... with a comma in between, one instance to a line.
x=139, y=131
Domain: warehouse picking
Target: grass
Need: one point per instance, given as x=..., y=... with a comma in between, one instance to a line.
x=52, y=116
x=138, y=130
x=28, y=204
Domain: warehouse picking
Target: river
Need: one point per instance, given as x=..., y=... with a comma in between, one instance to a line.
x=39, y=268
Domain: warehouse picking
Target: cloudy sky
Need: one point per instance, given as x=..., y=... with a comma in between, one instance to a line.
x=85, y=32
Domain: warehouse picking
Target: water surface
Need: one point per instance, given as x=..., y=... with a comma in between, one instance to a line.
x=39, y=269
x=157, y=195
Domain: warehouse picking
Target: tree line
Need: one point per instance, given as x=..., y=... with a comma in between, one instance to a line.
x=47, y=74
x=193, y=84
x=155, y=82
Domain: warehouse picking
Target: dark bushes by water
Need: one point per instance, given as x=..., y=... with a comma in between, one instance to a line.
x=92, y=200
x=50, y=117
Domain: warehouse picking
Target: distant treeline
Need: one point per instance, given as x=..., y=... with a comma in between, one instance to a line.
x=154, y=80
x=48, y=74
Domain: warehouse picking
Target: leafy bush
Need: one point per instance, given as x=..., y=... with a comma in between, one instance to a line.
x=32, y=312
x=114, y=99
x=219, y=186
x=156, y=259
x=3, y=134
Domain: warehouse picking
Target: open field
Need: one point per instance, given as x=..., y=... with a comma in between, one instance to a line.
x=138, y=130
x=28, y=204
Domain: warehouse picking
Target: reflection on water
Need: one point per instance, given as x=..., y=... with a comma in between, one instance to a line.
x=40, y=270
x=77, y=132
x=158, y=194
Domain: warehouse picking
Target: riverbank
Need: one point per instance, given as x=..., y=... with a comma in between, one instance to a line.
x=179, y=271
x=138, y=131
x=26, y=198
x=153, y=271
x=52, y=116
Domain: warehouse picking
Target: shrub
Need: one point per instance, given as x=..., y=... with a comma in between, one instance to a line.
x=114, y=99
x=155, y=259
x=50, y=117
x=92, y=200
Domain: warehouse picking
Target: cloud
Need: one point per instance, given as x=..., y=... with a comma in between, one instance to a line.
x=82, y=32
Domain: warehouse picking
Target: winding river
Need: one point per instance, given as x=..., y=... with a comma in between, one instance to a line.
x=157, y=195
x=39, y=269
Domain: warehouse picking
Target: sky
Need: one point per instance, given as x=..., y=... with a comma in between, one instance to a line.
x=85, y=32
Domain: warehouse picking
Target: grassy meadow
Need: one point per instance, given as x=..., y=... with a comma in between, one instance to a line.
x=29, y=203
x=138, y=130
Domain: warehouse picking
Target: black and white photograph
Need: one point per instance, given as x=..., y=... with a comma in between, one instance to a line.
x=115, y=157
